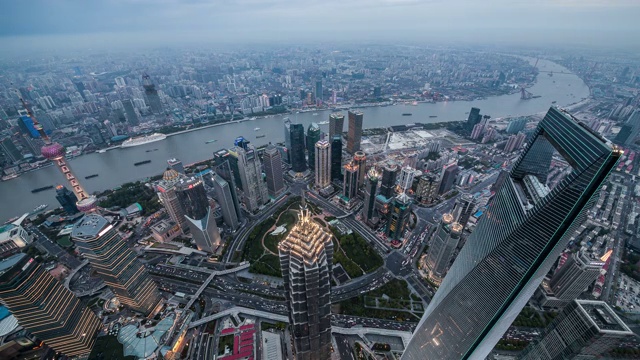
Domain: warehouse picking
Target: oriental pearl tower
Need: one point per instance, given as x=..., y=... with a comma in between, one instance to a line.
x=55, y=152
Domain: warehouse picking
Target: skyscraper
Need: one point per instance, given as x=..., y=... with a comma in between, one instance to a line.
x=176, y=165
x=370, y=188
x=350, y=190
x=323, y=164
x=313, y=136
x=442, y=247
x=306, y=260
x=584, y=330
x=130, y=112
x=336, y=125
x=254, y=189
x=629, y=130
x=336, y=158
x=448, y=178
x=463, y=209
x=67, y=199
x=575, y=276
x=225, y=199
x=287, y=139
x=273, y=169
x=427, y=190
x=407, y=174
x=517, y=125
x=153, y=99
x=398, y=217
x=318, y=92
x=474, y=118
x=389, y=177
x=194, y=201
x=166, y=189
x=296, y=153
x=222, y=160
x=45, y=308
x=116, y=264
x=354, y=135
x=10, y=150
x=516, y=241
x=360, y=160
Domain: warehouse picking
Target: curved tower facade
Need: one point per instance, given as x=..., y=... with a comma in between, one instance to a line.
x=442, y=247
x=515, y=243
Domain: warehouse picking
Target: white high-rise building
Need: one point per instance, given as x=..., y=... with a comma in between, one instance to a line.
x=323, y=164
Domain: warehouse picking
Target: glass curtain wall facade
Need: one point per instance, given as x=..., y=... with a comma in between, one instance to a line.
x=515, y=244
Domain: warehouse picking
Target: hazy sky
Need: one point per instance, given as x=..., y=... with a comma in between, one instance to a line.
x=118, y=23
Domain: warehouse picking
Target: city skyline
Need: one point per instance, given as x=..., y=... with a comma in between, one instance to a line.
x=481, y=201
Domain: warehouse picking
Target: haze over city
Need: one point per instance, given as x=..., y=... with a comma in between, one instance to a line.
x=319, y=180
x=32, y=26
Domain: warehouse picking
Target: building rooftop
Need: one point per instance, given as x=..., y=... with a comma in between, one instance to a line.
x=89, y=226
x=10, y=262
x=603, y=317
x=142, y=343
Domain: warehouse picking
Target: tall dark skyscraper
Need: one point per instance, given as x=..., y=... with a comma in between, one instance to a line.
x=222, y=161
x=130, y=112
x=296, y=153
x=350, y=184
x=474, y=118
x=192, y=196
x=273, y=168
x=448, y=178
x=67, y=199
x=313, y=136
x=10, y=150
x=253, y=187
x=583, y=330
x=306, y=260
x=517, y=241
x=389, y=178
x=336, y=158
x=153, y=99
x=398, y=217
x=629, y=130
x=226, y=201
x=318, y=92
x=370, y=189
x=336, y=125
x=354, y=136
x=45, y=308
x=116, y=264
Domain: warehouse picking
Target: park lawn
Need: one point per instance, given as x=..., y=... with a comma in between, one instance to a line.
x=65, y=241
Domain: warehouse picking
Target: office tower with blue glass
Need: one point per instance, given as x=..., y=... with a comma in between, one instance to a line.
x=518, y=239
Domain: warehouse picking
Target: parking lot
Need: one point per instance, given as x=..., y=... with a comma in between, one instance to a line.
x=628, y=294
